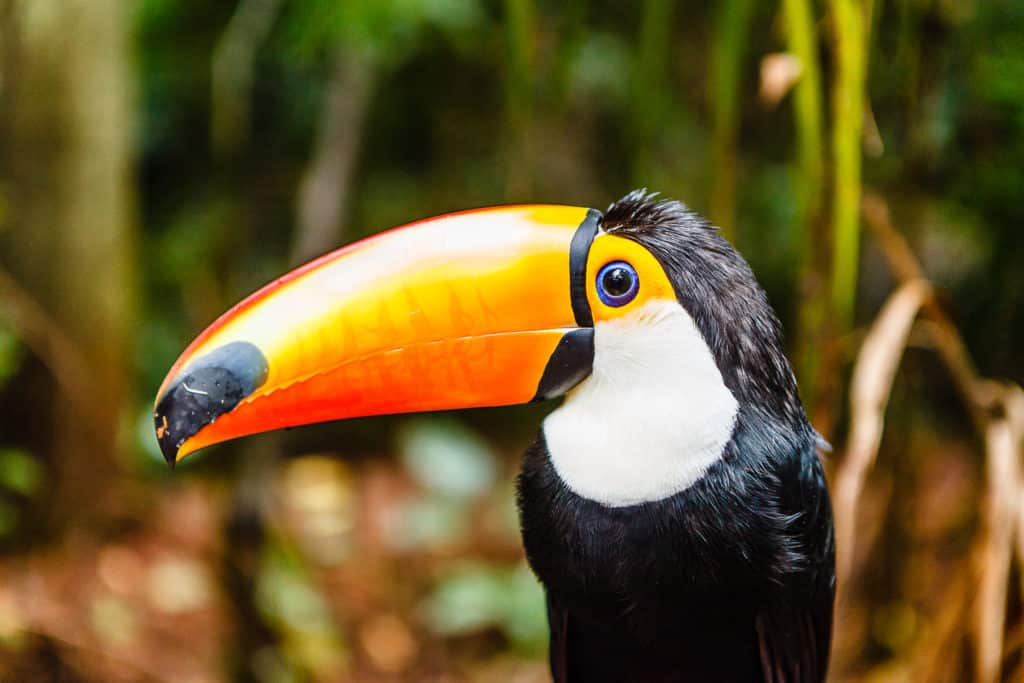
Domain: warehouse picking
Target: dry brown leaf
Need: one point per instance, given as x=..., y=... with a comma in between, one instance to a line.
x=871, y=385
x=780, y=71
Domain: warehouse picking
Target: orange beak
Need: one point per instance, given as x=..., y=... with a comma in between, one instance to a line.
x=479, y=308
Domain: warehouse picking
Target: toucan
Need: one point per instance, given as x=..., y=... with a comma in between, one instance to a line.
x=673, y=506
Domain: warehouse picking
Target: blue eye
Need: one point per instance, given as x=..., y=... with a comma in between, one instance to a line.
x=617, y=283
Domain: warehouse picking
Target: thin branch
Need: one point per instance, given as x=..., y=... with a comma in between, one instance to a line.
x=327, y=185
x=1002, y=505
x=232, y=72
x=1014, y=405
x=976, y=392
x=48, y=342
x=873, y=376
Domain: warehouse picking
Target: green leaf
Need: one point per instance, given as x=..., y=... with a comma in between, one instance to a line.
x=19, y=471
x=428, y=522
x=477, y=596
x=291, y=602
x=446, y=457
x=387, y=31
x=466, y=601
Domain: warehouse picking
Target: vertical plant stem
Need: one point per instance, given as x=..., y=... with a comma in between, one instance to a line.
x=232, y=73
x=848, y=18
x=648, y=94
x=327, y=184
x=519, y=38
x=573, y=31
x=807, y=109
x=731, y=32
x=73, y=246
x=1002, y=463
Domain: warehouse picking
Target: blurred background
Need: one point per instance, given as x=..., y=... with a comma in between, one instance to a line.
x=160, y=159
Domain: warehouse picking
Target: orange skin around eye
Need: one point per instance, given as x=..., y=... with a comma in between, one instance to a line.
x=654, y=283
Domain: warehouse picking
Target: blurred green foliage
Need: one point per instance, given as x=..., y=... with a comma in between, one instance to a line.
x=474, y=596
x=942, y=93
x=445, y=457
x=481, y=102
x=290, y=601
x=388, y=32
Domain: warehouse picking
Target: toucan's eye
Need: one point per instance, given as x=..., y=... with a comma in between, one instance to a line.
x=617, y=283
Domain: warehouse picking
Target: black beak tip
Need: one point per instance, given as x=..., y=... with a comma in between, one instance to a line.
x=208, y=388
x=167, y=447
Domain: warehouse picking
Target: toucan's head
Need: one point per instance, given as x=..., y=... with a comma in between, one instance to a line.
x=651, y=321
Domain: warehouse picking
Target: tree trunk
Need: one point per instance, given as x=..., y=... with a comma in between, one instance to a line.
x=67, y=129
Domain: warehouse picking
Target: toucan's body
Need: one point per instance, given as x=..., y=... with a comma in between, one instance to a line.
x=729, y=579
x=671, y=591
x=673, y=506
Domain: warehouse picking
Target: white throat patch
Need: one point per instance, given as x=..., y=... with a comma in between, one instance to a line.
x=651, y=418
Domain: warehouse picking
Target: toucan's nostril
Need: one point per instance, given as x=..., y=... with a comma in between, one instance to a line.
x=206, y=389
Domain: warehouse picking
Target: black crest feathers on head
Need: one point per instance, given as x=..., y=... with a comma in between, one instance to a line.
x=718, y=289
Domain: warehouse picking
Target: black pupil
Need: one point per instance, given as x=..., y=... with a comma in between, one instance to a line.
x=617, y=281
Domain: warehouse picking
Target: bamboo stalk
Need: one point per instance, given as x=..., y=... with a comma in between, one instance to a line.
x=848, y=24
x=519, y=39
x=573, y=31
x=732, y=29
x=808, y=113
x=807, y=108
x=648, y=94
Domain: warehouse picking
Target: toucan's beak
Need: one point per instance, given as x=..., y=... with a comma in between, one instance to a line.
x=480, y=308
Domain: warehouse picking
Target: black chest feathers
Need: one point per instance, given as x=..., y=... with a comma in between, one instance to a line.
x=681, y=589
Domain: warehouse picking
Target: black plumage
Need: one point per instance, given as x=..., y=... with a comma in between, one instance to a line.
x=731, y=579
